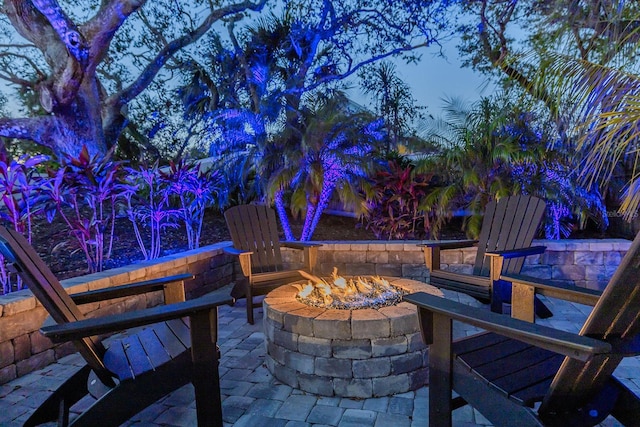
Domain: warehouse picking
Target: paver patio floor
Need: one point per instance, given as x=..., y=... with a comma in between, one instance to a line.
x=253, y=398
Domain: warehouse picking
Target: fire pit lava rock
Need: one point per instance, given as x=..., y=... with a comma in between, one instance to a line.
x=359, y=353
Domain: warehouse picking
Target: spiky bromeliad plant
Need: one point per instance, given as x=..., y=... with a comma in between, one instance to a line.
x=196, y=189
x=19, y=185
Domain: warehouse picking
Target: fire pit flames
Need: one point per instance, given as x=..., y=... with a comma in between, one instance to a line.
x=352, y=293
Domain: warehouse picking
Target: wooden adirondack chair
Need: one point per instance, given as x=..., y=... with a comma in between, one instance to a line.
x=135, y=371
x=254, y=233
x=520, y=373
x=508, y=228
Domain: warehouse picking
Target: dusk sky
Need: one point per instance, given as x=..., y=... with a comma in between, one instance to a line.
x=436, y=78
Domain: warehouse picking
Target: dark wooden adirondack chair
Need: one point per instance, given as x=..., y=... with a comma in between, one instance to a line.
x=177, y=345
x=520, y=373
x=508, y=228
x=254, y=233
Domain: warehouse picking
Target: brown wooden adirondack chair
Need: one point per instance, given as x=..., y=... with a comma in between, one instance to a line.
x=520, y=373
x=508, y=228
x=135, y=371
x=254, y=233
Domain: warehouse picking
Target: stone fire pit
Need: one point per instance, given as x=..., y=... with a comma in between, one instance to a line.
x=347, y=353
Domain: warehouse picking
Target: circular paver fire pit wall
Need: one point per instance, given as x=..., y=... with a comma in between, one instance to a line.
x=348, y=353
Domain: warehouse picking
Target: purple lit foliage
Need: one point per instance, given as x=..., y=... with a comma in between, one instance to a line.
x=255, y=84
x=19, y=184
x=84, y=191
x=553, y=175
x=147, y=198
x=496, y=149
x=334, y=157
x=196, y=190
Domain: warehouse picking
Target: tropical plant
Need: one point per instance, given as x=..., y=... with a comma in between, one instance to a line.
x=335, y=156
x=393, y=101
x=394, y=211
x=196, y=189
x=253, y=85
x=494, y=150
x=147, y=198
x=84, y=191
x=19, y=184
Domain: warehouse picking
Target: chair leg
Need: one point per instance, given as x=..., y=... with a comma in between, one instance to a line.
x=249, y=305
x=56, y=407
x=206, y=378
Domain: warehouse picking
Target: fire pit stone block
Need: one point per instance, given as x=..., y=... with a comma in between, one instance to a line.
x=314, y=346
x=333, y=324
x=390, y=346
x=368, y=322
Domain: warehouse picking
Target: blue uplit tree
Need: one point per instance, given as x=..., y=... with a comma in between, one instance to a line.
x=334, y=158
x=254, y=87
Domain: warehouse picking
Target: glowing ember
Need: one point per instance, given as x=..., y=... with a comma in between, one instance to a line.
x=352, y=293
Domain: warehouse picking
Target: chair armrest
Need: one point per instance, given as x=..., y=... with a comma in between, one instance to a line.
x=449, y=244
x=562, y=342
x=118, y=322
x=299, y=245
x=518, y=252
x=233, y=251
x=572, y=294
x=432, y=250
x=244, y=258
x=310, y=252
x=128, y=289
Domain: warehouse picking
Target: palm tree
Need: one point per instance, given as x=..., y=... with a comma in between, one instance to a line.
x=393, y=100
x=473, y=161
x=495, y=149
x=333, y=157
x=606, y=99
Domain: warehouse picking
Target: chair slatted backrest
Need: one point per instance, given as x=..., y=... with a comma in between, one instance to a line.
x=254, y=228
x=48, y=290
x=615, y=317
x=509, y=223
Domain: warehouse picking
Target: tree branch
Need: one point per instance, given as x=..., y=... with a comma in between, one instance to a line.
x=65, y=28
x=99, y=30
x=37, y=129
x=242, y=59
x=358, y=66
x=165, y=54
x=27, y=20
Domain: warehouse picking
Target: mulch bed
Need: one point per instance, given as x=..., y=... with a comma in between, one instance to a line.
x=59, y=250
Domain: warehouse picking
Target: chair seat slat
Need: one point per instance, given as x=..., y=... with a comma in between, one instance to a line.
x=115, y=359
x=172, y=345
x=476, y=342
x=153, y=347
x=507, y=366
x=136, y=356
x=181, y=331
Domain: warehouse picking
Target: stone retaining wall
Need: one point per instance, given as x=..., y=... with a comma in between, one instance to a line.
x=23, y=349
x=587, y=263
